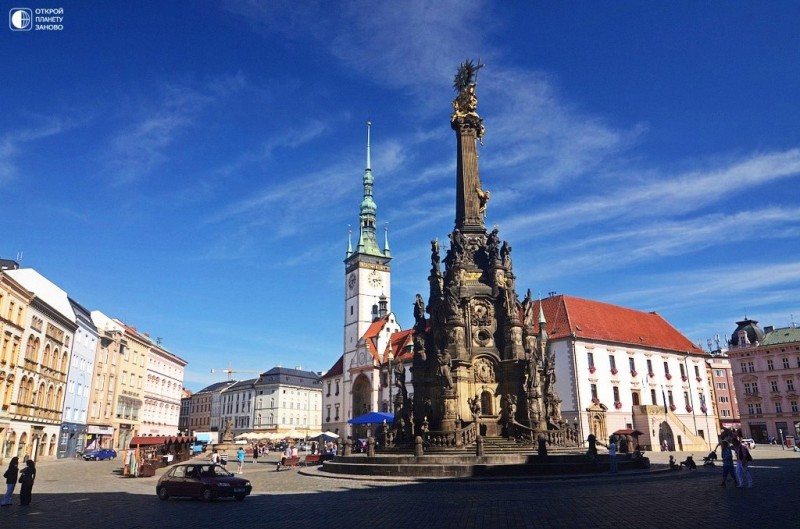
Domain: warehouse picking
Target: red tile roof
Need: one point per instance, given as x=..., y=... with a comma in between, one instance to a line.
x=595, y=320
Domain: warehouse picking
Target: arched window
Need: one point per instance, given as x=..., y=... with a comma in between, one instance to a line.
x=64, y=362
x=30, y=348
x=51, y=393
x=41, y=394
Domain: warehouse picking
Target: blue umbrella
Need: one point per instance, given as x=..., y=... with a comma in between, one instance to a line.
x=373, y=417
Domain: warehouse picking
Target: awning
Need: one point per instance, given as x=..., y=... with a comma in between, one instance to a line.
x=373, y=417
x=628, y=431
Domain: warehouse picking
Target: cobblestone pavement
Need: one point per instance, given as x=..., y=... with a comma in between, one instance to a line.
x=93, y=494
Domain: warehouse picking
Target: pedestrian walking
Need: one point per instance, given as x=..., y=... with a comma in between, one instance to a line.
x=26, y=479
x=743, y=459
x=727, y=463
x=256, y=450
x=239, y=460
x=612, y=454
x=11, y=480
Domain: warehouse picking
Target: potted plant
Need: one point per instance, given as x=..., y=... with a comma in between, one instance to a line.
x=618, y=405
x=592, y=369
x=669, y=376
x=614, y=371
x=634, y=374
x=672, y=407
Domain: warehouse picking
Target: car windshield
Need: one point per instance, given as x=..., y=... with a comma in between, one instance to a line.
x=213, y=471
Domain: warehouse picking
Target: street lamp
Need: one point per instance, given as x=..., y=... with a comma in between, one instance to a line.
x=391, y=358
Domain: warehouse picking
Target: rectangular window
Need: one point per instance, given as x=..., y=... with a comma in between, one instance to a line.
x=649, y=366
x=669, y=398
x=786, y=363
x=632, y=365
x=725, y=413
x=770, y=367
x=718, y=372
x=612, y=362
x=790, y=385
x=594, y=392
x=793, y=404
x=683, y=371
x=653, y=400
x=778, y=407
x=751, y=367
x=615, y=389
x=666, y=368
x=686, y=398
x=697, y=372
x=773, y=385
x=329, y=390
x=722, y=385
x=744, y=367
x=590, y=359
x=724, y=399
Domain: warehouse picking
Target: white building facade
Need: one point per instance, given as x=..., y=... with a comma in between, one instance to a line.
x=619, y=369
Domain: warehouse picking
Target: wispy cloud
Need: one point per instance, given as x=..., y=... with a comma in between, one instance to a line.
x=12, y=144
x=153, y=125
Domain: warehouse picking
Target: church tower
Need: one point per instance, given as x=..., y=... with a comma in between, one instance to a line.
x=367, y=272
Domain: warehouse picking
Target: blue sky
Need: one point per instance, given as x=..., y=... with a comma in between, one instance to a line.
x=193, y=171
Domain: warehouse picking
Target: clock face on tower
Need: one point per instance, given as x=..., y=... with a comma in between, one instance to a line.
x=375, y=278
x=351, y=281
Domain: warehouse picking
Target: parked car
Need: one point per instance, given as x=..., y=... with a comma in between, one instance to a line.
x=100, y=454
x=206, y=481
x=749, y=443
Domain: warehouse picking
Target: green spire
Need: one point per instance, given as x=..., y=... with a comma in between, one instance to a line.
x=367, y=240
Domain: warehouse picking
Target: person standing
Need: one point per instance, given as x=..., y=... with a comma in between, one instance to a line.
x=743, y=458
x=26, y=479
x=256, y=450
x=727, y=463
x=612, y=454
x=239, y=460
x=11, y=480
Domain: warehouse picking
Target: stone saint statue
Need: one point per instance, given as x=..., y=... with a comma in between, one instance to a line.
x=445, y=362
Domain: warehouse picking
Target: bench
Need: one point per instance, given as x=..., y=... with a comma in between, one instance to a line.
x=289, y=462
x=312, y=460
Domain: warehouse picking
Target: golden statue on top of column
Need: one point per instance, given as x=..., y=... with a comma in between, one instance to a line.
x=465, y=104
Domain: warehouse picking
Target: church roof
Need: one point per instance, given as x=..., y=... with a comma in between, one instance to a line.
x=595, y=320
x=400, y=342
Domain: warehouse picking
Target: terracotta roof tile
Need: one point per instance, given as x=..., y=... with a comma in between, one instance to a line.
x=595, y=320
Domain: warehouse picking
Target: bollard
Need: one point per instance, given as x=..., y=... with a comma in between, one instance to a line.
x=479, y=446
x=370, y=446
x=418, y=452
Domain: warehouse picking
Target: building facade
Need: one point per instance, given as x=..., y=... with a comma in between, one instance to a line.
x=288, y=400
x=622, y=369
x=725, y=401
x=162, y=392
x=204, y=404
x=79, y=379
x=236, y=406
x=766, y=370
x=14, y=302
x=36, y=408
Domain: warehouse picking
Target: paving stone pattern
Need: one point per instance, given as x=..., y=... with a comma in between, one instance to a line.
x=92, y=494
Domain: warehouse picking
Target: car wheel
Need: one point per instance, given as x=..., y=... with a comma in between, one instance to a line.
x=240, y=497
x=162, y=493
x=206, y=494
x=96, y=458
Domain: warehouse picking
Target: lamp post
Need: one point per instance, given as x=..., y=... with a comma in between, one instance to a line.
x=391, y=358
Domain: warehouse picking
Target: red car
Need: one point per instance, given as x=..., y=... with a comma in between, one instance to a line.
x=206, y=481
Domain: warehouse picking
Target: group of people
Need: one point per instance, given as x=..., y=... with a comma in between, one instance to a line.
x=26, y=477
x=740, y=474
